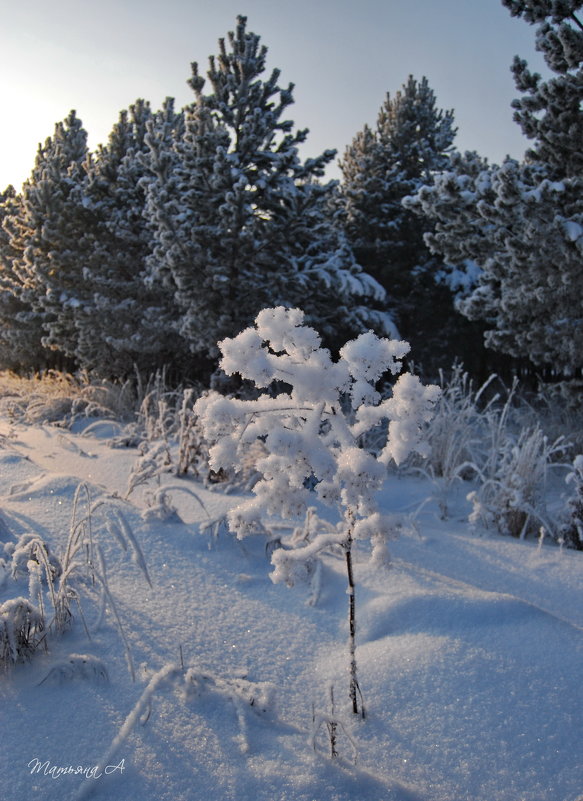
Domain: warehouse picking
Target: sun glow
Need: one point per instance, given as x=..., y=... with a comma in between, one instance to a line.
x=26, y=114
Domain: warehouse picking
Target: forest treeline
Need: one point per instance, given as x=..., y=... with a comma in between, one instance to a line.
x=175, y=233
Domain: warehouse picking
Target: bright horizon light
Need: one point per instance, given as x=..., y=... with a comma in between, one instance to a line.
x=343, y=58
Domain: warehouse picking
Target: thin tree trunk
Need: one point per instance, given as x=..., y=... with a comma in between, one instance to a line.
x=354, y=686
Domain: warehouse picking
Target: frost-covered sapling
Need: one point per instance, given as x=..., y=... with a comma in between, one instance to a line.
x=310, y=440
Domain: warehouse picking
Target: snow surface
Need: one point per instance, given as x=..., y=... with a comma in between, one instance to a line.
x=469, y=655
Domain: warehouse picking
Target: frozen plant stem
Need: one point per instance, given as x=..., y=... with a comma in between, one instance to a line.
x=332, y=726
x=354, y=688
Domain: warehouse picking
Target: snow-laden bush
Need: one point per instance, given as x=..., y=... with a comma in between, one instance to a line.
x=571, y=531
x=59, y=584
x=311, y=443
x=512, y=489
x=21, y=630
x=84, y=667
x=456, y=434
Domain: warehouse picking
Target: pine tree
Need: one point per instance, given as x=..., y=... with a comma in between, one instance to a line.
x=550, y=111
x=117, y=320
x=20, y=332
x=183, y=202
x=76, y=243
x=412, y=142
x=45, y=241
x=522, y=223
x=240, y=222
x=363, y=171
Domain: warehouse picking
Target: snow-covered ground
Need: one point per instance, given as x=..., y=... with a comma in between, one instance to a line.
x=469, y=655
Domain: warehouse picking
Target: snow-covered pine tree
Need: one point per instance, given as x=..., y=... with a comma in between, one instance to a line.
x=184, y=196
x=241, y=223
x=362, y=197
x=549, y=112
x=522, y=223
x=20, y=331
x=120, y=320
x=45, y=240
x=412, y=142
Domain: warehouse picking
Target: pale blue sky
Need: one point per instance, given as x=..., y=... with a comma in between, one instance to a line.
x=343, y=56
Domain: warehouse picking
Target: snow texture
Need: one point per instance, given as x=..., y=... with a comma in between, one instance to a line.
x=469, y=654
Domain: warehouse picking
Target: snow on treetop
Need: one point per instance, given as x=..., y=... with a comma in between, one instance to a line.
x=368, y=357
x=280, y=348
x=279, y=326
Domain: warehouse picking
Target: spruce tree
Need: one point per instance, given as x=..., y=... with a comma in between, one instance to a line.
x=240, y=222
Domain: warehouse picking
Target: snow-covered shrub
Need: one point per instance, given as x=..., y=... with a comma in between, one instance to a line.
x=455, y=435
x=59, y=584
x=61, y=398
x=310, y=443
x=85, y=667
x=511, y=495
x=22, y=628
x=571, y=530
